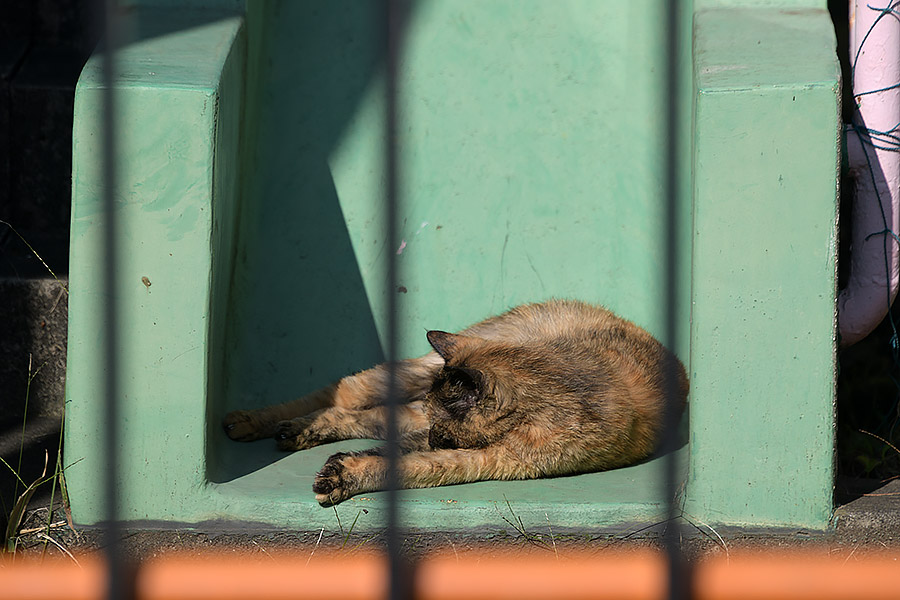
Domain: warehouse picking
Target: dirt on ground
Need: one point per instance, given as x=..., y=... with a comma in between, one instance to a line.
x=61, y=539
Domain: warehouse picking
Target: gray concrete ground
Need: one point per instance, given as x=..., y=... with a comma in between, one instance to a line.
x=873, y=516
x=33, y=327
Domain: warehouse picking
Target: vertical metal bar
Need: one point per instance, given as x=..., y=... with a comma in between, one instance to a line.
x=394, y=13
x=678, y=583
x=112, y=537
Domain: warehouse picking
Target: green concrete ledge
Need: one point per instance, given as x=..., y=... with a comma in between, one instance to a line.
x=766, y=157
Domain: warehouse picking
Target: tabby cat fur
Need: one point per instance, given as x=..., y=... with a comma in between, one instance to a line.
x=548, y=389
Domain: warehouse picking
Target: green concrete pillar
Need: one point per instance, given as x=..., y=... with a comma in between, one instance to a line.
x=766, y=157
x=178, y=88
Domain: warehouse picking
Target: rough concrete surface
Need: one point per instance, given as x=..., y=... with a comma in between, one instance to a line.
x=872, y=517
x=33, y=324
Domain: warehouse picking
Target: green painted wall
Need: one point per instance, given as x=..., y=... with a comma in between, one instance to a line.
x=530, y=166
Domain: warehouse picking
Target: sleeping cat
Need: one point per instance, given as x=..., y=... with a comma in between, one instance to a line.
x=556, y=388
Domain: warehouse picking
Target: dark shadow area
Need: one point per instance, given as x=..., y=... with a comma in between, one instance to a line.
x=43, y=46
x=868, y=400
x=840, y=17
x=868, y=387
x=26, y=452
x=848, y=489
x=299, y=315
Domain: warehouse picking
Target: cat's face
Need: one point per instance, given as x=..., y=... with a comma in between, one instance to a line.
x=465, y=406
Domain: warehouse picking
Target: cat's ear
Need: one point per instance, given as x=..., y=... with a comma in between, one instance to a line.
x=446, y=344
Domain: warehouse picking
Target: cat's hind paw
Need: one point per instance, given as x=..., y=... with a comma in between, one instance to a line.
x=296, y=434
x=330, y=485
x=240, y=425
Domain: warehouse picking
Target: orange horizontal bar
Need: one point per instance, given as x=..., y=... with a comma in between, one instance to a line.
x=31, y=580
x=798, y=576
x=637, y=575
x=237, y=577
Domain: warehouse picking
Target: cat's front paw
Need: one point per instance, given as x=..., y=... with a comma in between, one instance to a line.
x=242, y=426
x=296, y=434
x=332, y=481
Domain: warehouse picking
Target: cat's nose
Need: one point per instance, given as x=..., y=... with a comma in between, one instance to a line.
x=439, y=440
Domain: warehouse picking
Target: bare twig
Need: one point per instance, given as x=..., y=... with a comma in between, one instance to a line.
x=519, y=526
x=878, y=437
x=60, y=546
x=452, y=545
x=33, y=251
x=42, y=527
x=264, y=551
x=644, y=528
x=852, y=552
x=719, y=537
x=553, y=541
x=316, y=546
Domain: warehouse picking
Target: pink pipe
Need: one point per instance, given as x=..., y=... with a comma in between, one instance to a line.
x=869, y=292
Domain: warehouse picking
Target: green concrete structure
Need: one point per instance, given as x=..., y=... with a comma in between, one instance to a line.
x=253, y=251
x=764, y=245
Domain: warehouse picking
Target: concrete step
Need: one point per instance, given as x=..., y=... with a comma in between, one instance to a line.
x=873, y=516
